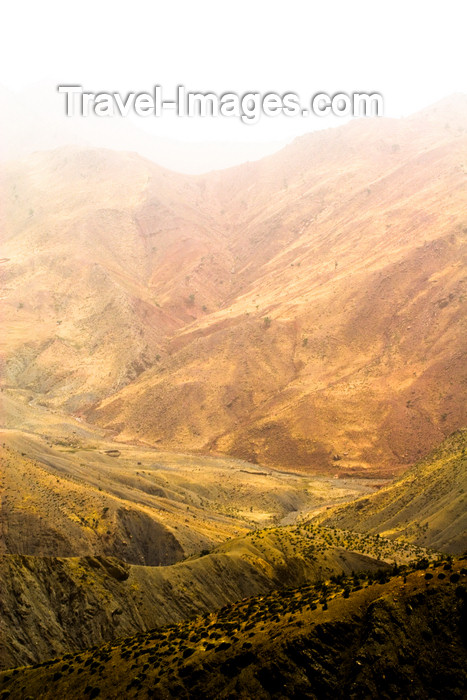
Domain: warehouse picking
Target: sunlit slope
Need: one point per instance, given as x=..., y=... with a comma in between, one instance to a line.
x=307, y=311
x=70, y=499
x=346, y=338
x=67, y=490
x=96, y=249
x=427, y=505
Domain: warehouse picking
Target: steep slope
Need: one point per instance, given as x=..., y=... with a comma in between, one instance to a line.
x=427, y=505
x=306, y=311
x=94, y=244
x=346, y=333
x=54, y=605
x=395, y=638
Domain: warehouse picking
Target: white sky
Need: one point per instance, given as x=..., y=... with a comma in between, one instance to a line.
x=413, y=52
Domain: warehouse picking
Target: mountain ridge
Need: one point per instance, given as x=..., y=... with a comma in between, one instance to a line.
x=360, y=636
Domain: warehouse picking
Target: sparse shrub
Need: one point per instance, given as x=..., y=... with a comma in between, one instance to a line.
x=422, y=563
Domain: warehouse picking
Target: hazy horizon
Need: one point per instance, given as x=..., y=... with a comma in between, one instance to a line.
x=411, y=54
x=126, y=134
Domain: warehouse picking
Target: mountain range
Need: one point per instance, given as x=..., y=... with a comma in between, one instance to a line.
x=306, y=311
x=233, y=420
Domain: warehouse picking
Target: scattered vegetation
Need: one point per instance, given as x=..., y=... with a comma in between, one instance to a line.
x=293, y=633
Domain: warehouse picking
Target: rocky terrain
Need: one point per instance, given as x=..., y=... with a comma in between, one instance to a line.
x=251, y=312
x=355, y=637
x=68, y=490
x=52, y=605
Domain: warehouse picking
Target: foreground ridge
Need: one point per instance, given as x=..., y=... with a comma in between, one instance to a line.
x=384, y=634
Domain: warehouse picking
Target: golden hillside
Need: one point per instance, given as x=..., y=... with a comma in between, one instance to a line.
x=67, y=490
x=427, y=505
x=306, y=311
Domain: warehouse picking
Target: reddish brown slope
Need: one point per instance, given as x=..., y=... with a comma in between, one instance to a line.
x=359, y=262
x=307, y=307
x=99, y=251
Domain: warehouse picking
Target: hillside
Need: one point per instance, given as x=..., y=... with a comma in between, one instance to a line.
x=306, y=311
x=57, y=605
x=363, y=636
x=426, y=506
x=345, y=338
x=85, y=233
x=68, y=490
